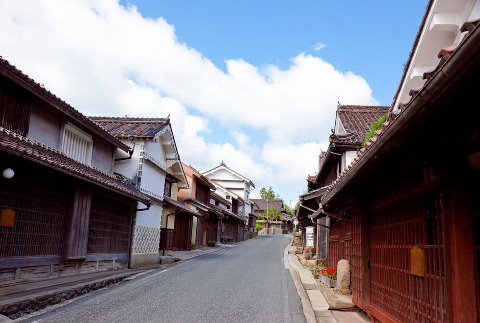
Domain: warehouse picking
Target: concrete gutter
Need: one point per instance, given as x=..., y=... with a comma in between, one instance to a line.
x=17, y=306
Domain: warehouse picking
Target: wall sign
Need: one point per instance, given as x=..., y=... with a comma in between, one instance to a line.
x=309, y=234
x=7, y=218
x=417, y=262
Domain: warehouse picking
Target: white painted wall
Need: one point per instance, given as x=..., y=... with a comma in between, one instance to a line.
x=151, y=217
x=44, y=127
x=128, y=167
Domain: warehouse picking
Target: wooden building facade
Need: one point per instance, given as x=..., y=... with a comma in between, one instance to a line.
x=409, y=201
x=62, y=210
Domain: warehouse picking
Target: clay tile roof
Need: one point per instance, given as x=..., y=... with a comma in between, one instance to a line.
x=124, y=127
x=356, y=119
x=262, y=204
x=178, y=206
x=27, y=148
x=31, y=85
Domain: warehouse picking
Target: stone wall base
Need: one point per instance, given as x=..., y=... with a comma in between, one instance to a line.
x=145, y=259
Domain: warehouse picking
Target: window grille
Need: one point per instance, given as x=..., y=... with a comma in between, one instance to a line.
x=77, y=144
x=168, y=189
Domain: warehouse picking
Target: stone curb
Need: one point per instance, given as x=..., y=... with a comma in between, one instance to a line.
x=302, y=293
x=17, y=307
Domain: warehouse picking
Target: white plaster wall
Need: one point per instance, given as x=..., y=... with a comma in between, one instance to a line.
x=102, y=155
x=222, y=174
x=350, y=156
x=128, y=167
x=154, y=149
x=151, y=217
x=44, y=127
x=194, y=229
x=153, y=179
x=171, y=218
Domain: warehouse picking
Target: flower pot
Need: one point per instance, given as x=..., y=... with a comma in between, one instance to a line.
x=328, y=281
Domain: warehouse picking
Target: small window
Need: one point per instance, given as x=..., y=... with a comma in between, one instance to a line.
x=77, y=144
x=168, y=189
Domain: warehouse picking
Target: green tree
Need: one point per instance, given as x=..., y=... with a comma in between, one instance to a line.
x=268, y=194
x=273, y=214
x=289, y=210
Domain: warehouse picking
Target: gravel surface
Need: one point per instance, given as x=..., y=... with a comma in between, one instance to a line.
x=248, y=283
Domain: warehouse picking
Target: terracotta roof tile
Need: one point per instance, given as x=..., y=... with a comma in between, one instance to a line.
x=356, y=119
x=126, y=127
x=13, y=143
x=276, y=203
x=177, y=205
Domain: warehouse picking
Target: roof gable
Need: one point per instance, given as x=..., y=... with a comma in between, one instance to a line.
x=355, y=121
x=224, y=167
x=125, y=127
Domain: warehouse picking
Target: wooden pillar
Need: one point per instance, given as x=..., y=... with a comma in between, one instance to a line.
x=458, y=244
x=365, y=252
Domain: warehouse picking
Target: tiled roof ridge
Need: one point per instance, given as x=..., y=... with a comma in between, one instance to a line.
x=360, y=108
x=445, y=54
x=40, y=87
x=127, y=189
x=130, y=119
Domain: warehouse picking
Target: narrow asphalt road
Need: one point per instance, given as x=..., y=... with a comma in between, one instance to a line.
x=246, y=283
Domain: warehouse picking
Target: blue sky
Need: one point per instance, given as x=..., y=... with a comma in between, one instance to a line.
x=370, y=38
x=243, y=81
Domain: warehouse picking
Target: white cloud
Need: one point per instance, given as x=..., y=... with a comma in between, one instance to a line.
x=106, y=59
x=319, y=46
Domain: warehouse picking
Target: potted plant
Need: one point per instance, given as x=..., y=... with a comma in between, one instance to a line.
x=329, y=277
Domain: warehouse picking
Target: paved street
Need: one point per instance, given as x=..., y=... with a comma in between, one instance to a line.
x=247, y=283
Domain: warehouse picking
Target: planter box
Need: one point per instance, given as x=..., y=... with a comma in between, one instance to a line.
x=328, y=281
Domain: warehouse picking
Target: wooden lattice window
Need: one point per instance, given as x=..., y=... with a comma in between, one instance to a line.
x=110, y=222
x=40, y=208
x=356, y=263
x=77, y=144
x=394, y=231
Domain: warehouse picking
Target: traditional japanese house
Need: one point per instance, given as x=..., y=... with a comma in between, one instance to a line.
x=235, y=183
x=279, y=225
x=63, y=210
x=411, y=195
x=352, y=123
x=155, y=167
x=197, y=198
x=232, y=225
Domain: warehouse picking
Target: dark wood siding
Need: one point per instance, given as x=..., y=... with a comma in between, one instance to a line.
x=394, y=231
x=14, y=107
x=110, y=223
x=182, y=236
x=39, y=199
x=77, y=224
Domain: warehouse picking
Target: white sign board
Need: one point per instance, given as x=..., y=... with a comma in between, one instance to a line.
x=309, y=233
x=295, y=222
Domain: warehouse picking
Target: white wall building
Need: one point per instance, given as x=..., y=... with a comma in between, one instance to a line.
x=154, y=151
x=228, y=181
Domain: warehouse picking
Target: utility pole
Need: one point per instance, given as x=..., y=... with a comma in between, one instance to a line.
x=266, y=217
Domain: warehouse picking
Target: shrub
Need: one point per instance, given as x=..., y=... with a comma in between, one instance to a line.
x=376, y=125
x=211, y=243
x=193, y=246
x=259, y=227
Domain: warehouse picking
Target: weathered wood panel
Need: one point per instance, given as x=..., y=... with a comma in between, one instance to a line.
x=76, y=235
x=109, y=229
